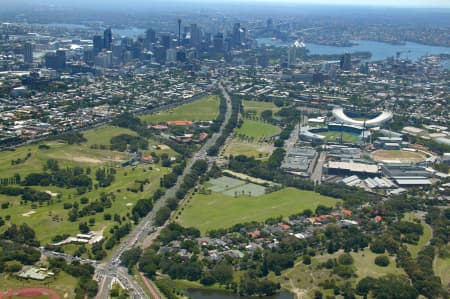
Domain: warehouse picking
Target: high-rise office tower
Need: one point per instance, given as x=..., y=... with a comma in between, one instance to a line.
x=56, y=61
x=218, y=41
x=171, y=55
x=269, y=24
x=107, y=39
x=364, y=68
x=160, y=53
x=195, y=35
x=292, y=56
x=104, y=59
x=236, y=35
x=98, y=44
x=28, y=53
x=165, y=40
x=206, y=41
x=88, y=56
x=61, y=54
x=346, y=62
x=181, y=54
x=150, y=35
x=227, y=44
x=179, y=32
x=242, y=35
x=332, y=73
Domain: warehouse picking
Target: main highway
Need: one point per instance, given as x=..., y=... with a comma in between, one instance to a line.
x=146, y=231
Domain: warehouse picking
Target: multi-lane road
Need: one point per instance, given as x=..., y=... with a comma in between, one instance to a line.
x=146, y=231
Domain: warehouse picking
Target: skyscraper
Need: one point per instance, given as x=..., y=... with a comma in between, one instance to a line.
x=346, y=62
x=218, y=41
x=56, y=61
x=242, y=35
x=107, y=39
x=206, y=41
x=181, y=54
x=98, y=44
x=28, y=53
x=165, y=40
x=61, y=54
x=236, y=35
x=179, y=32
x=104, y=59
x=332, y=72
x=292, y=56
x=171, y=55
x=195, y=35
x=160, y=53
x=150, y=35
x=88, y=56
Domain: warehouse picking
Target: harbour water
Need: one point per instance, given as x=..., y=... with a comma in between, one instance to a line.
x=379, y=50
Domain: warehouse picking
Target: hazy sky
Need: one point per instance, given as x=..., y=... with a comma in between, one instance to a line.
x=393, y=3
x=396, y=3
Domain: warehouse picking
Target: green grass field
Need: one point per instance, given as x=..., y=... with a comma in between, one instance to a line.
x=424, y=239
x=303, y=279
x=236, y=147
x=441, y=267
x=50, y=220
x=217, y=210
x=102, y=135
x=257, y=129
x=364, y=262
x=259, y=107
x=334, y=136
x=206, y=108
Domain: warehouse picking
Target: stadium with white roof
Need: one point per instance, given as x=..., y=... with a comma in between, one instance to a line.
x=377, y=121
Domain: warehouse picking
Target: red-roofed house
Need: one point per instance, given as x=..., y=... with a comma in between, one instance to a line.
x=159, y=127
x=347, y=213
x=184, y=123
x=319, y=219
x=147, y=159
x=285, y=226
x=201, y=137
x=255, y=234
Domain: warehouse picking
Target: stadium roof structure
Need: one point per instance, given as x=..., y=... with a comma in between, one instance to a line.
x=377, y=121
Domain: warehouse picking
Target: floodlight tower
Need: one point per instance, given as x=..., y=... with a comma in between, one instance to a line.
x=364, y=132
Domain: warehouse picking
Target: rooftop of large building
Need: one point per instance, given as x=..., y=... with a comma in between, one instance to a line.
x=379, y=120
x=354, y=167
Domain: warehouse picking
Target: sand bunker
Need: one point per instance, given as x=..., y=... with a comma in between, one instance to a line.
x=28, y=214
x=163, y=147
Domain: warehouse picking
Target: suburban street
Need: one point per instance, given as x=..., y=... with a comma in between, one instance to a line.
x=293, y=138
x=145, y=232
